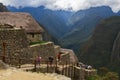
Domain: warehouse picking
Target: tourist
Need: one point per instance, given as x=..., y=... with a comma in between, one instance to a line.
x=39, y=60
x=51, y=60
x=89, y=67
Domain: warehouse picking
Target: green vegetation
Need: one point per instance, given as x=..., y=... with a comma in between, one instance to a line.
x=39, y=42
x=103, y=71
x=111, y=76
x=98, y=51
x=95, y=77
x=104, y=74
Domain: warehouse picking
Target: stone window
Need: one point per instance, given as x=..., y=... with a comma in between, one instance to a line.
x=33, y=35
x=21, y=27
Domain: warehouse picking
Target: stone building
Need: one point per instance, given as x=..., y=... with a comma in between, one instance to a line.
x=12, y=40
x=17, y=30
x=25, y=21
x=17, y=44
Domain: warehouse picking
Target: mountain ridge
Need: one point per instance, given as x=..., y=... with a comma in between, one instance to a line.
x=70, y=29
x=84, y=28
x=52, y=21
x=100, y=49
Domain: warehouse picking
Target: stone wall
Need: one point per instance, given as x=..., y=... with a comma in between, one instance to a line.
x=57, y=50
x=65, y=58
x=68, y=56
x=14, y=39
x=34, y=37
x=44, y=50
x=77, y=73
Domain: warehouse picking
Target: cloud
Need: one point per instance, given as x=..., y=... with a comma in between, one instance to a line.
x=74, y=5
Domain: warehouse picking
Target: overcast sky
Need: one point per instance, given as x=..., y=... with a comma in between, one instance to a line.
x=74, y=5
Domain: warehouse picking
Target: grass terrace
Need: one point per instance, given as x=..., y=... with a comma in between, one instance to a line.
x=39, y=42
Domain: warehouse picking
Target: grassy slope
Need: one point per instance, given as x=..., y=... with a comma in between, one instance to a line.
x=97, y=50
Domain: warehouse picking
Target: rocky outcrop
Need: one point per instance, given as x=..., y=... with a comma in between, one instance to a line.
x=115, y=56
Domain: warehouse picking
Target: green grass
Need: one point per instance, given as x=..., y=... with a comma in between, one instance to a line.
x=39, y=42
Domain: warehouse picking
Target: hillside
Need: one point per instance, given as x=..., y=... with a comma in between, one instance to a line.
x=83, y=23
x=69, y=29
x=53, y=21
x=115, y=56
x=47, y=36
x=3, y=8
x=98, y=50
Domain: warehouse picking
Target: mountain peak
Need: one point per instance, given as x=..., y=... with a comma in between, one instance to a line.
x=100, y=7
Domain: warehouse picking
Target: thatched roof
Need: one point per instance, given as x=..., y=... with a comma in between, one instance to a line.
x=20, y=20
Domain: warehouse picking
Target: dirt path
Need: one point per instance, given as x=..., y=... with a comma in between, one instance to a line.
x=15, y=74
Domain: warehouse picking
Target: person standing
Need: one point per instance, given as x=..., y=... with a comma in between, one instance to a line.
x=39, y=60
x=51, y=60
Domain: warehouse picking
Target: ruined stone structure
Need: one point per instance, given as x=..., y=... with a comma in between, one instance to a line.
x=78, y=73
x=68, y=55
x=17, y=30
x=57, y=49
x=17, y=45
x=24, y=21
x=44, y=50
x=14, y=39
